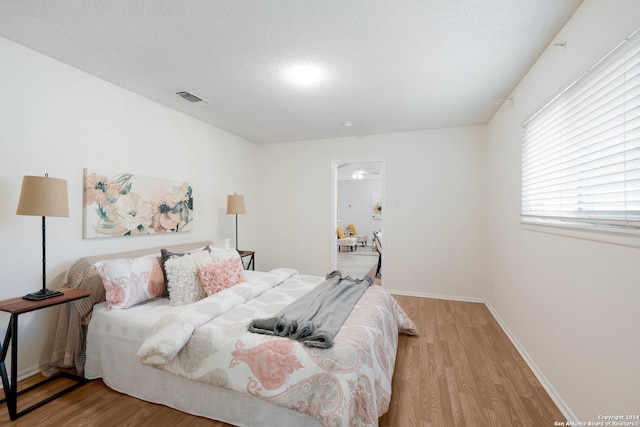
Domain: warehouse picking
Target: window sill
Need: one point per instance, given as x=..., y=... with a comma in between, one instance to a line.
x=611, y=235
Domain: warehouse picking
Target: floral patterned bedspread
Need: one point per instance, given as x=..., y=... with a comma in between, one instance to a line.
x=348, y=384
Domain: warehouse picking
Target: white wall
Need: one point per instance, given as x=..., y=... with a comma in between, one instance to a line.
x=435, y=212
x=58, y=120
x=355, y=205
x=572, y=304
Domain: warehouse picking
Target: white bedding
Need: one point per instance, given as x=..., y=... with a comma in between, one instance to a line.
x=350, y=382
x=115, y=336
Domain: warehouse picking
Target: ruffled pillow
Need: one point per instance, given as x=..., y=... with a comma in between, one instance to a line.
x=221, y=275
x=128, y=282
x=166, y=254
x=184, y=287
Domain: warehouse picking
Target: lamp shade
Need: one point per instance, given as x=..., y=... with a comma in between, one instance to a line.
x=43, y=196
x=235, y=204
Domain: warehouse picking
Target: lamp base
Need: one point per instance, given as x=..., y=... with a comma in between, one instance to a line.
x=42, y=294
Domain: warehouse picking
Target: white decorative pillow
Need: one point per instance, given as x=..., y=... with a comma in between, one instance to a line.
x=217, y=276
x=165, y=254
x=128, y=282
x=221, y=254
x=184, y=287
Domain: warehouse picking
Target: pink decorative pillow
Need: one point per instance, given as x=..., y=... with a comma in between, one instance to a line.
x=128, y=282
x=220, y=275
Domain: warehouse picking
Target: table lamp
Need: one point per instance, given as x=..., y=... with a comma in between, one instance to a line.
x=43, y=196
x=235, y=206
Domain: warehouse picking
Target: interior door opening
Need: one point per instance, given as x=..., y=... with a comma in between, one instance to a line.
x=358, y=197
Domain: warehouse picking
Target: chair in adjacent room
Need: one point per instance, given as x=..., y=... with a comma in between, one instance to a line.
x=345, y=241
x=363, y=239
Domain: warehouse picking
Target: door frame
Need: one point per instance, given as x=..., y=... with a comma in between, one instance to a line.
x=334, y=203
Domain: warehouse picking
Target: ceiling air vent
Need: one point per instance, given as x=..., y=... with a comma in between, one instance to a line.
x=190, y=97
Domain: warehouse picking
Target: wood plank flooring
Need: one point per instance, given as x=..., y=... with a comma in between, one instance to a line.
x=461, y=371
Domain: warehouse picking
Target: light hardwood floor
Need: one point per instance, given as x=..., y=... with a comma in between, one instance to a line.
x=461, y=371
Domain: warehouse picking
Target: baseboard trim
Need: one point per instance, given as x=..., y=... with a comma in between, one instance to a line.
x=560, y=403
x=24, y=374
x=553, y=394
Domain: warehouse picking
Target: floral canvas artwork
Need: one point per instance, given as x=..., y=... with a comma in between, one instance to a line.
x=122, y=204
x=376, y=201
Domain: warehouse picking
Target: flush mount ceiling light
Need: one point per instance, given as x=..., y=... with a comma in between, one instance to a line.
x=305, y=74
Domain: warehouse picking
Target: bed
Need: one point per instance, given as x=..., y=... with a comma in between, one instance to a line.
x=201, y=359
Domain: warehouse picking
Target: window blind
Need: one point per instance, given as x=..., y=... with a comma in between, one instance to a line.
x=581, y=151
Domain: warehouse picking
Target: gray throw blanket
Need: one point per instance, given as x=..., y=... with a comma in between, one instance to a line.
x=316, y=317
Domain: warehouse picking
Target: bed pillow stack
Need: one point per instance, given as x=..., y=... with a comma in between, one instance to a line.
x=186, y=277
x=195, y=275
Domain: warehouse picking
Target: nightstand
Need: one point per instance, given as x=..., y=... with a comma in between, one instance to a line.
x=251, y=254
x=17, y=306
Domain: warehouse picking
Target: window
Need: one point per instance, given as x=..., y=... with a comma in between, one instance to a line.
x=581, y=151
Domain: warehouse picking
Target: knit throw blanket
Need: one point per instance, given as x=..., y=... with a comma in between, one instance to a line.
x=315, y=318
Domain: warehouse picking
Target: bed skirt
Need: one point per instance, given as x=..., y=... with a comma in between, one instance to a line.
x=114, y=360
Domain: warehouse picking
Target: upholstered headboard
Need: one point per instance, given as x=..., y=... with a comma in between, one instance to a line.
x=65, y=346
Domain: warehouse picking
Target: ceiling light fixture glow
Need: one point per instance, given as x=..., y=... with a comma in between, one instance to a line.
x=305, y=75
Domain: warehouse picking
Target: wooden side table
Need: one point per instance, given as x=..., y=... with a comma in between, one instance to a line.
x=17, y=306
x=251, y=254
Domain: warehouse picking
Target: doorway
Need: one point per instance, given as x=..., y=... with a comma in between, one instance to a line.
x=358, y=197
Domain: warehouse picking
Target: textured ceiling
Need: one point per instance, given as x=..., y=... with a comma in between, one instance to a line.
x=390, y=65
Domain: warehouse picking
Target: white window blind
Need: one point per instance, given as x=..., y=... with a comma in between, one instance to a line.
x=581, y=151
